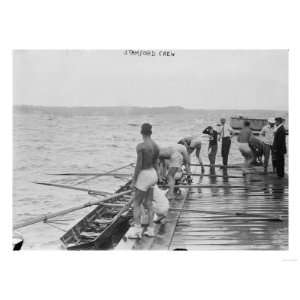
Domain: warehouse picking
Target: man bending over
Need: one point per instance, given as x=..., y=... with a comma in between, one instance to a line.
x=177, y=155
x=193, y=143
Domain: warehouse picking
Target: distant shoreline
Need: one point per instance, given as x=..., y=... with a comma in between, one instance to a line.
x=132, y=109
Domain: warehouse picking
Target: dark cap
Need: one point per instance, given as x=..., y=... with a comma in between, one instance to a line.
x=279, y=119
x=146, y=129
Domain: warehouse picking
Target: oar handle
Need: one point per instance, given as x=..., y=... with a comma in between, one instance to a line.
x=66, y=211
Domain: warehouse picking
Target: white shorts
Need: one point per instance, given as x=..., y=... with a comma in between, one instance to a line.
x=244, y=148
x=195, y=142
x=176, y=160
x=146, y=179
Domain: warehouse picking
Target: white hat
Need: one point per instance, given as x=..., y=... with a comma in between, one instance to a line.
x=271, y=120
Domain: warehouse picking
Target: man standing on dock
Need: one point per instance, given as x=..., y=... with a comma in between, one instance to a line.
x=226, y=133
x=144, y=178
x=279, y=146
x=267, y=134
x=212, y=145
x=243, y=139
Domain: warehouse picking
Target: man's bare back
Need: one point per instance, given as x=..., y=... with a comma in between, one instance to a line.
x=149, y=154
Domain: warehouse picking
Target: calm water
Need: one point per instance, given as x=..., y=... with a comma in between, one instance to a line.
x=56, y=142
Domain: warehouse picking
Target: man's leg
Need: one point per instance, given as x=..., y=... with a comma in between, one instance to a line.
x=246, y=155
x=136, y=230
x=213, y=152
x=280, y=165
x=273, y=160
x=171, y=181
x=266, y=150
x=226, y=151
x=149, y=205
x=210, y=156
x=137, y=202
x=198, y=155
x=223, y=151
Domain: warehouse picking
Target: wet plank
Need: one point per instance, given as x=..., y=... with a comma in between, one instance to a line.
x=264, y=195
x=164, y=233
x=268, y=196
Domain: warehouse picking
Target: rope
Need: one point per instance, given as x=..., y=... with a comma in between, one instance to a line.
x=54, y=226
x=94, y=177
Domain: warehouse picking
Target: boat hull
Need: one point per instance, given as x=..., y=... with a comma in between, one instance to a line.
x=255, y=124
x=101, y=226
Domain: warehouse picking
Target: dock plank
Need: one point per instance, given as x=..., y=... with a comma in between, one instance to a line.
x=163, y=232
x=264, y=195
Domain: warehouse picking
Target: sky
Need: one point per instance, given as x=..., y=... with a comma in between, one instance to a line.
x=196, y=79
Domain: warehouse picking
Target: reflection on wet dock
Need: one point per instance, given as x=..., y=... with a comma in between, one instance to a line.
x=251, y=215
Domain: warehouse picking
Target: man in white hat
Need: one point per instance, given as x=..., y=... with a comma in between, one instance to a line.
x=267, y=134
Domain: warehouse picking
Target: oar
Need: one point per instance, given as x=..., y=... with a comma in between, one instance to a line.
x=237, y=214
x=252, y=187
x=123, y=174
x=89, y=174
x=94, y=192
x=96, y=176
x=187, y=186
x=218, y=165
x=212, y=175
x=66, y=211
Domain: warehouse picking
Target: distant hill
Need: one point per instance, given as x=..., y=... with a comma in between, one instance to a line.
x=88, y=110
x=133, y=110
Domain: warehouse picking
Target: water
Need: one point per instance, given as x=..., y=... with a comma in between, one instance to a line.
x=47, y=141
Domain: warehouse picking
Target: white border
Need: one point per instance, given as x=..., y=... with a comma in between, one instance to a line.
x=151, y=24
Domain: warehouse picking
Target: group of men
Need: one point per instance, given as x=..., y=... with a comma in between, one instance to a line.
x=272, y=141
x=223, y=133
x=154, y=162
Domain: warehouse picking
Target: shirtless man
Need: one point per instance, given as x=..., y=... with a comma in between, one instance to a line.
x=177, y=156
x=144, y=178
x=243, y=139
x=193, y=143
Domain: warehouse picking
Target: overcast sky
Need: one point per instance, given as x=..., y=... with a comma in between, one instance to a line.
x=192, y=79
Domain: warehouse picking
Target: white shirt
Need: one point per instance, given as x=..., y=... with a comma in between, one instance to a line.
x=225, y=131
x=267, y=134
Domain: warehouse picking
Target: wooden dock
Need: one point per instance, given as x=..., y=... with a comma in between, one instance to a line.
x=253, y=215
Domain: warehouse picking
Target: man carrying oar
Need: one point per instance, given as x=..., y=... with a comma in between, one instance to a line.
x=144, y=178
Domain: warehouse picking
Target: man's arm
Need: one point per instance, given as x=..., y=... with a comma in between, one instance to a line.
x=230, y=130
x=205, y=131
x=263, y=131
x=138, y=165
x=186, y=160
x=198, y=153
x=219, y=131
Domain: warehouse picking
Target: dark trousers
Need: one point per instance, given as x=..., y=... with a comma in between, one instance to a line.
x=212, y=152
x=279, y=164
x=273, y=159
x=226, y=142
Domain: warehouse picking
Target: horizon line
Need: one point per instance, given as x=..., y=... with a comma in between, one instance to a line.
x=146, y=107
